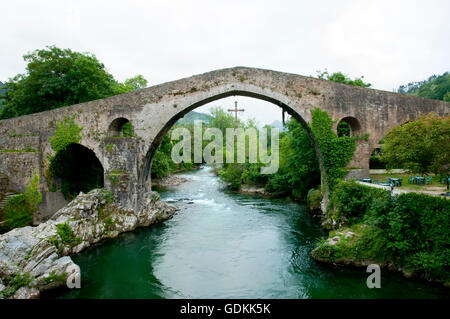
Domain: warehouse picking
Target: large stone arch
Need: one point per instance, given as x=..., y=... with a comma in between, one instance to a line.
x=182, y=106
x=151, y=109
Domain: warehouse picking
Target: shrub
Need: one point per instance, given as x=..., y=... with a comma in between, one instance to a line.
x=411, y=229
x=17, y=212
x=66, y=133
x=65, y=233
x=19, y=209
x=232, y=174
x=32, y=195
x=160, y=165
x=14, y=282
x=418, y=231
x=352, y=200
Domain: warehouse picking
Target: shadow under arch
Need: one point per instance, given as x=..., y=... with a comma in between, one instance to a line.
x=77, y=168
x=353, y=123
x=145, y=171
x=117, y=126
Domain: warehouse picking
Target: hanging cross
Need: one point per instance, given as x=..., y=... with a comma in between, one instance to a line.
x=235, y=110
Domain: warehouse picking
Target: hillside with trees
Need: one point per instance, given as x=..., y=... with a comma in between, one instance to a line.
x=436, y=87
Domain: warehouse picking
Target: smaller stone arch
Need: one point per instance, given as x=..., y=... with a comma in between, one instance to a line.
x=121, y=127
x=352, y=123
x=76, y=168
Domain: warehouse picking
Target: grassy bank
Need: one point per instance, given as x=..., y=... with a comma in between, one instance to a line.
x=409, y=232
x=435, y=184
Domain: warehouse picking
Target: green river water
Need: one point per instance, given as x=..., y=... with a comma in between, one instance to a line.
x=226, y=245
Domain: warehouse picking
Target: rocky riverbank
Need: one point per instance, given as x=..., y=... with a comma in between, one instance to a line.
x=247, y=189
x=168, y=181
x=345, y=240
x=35, y=259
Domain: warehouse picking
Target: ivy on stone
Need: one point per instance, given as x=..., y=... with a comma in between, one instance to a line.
x=66, y=133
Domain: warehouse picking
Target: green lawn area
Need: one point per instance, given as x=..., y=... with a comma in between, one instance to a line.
x=405, y=185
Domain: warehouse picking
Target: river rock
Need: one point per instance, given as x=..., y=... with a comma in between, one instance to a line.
x=39, y=257
x=26, y=293
x=168, y=181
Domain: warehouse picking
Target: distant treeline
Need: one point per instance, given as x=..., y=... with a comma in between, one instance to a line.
x=437, y=87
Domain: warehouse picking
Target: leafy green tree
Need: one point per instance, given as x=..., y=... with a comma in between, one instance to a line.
x=299, y=167
x=222, y=120
x=57, y=77
x=342, y=78
x=135, y=83
x=421, y=146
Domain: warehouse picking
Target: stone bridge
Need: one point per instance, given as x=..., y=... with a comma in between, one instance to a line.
x=24, y=141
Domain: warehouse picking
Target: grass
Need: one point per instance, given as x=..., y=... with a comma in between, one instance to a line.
x=405, y=185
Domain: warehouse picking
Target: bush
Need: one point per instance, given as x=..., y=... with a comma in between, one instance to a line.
x=418, y=231
x=66, y=133
x=160, y=165
x=352, y=200
x=19, y=209
x=17, y=212
x=32, y=195
x=411, y=229
x=65, y=233
x=232, y=174
x=14, y=282
x=369, y=244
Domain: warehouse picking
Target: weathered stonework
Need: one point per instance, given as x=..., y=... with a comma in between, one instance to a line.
x=152, y=111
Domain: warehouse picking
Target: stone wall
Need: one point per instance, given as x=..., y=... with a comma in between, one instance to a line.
x=19, y=158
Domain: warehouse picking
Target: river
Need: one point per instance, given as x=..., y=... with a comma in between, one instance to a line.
x=226, y=245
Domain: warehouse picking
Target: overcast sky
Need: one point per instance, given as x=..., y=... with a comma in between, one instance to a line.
x=389, y=42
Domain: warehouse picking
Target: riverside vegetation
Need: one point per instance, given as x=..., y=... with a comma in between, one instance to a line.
x=409, y=232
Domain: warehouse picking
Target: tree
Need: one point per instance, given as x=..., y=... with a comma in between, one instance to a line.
x=436, y=87
x=222, y=120
x=57, y=77
x=299, y=167
x=342, y=78
x=135, y=83
x=420, y=146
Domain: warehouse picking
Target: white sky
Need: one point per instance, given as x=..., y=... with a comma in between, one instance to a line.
x=389, y=42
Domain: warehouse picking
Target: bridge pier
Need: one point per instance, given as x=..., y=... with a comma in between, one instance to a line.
x=121, y=158
x=359, y=165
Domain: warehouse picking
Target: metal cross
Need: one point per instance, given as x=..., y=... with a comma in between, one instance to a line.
x=235, y=110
